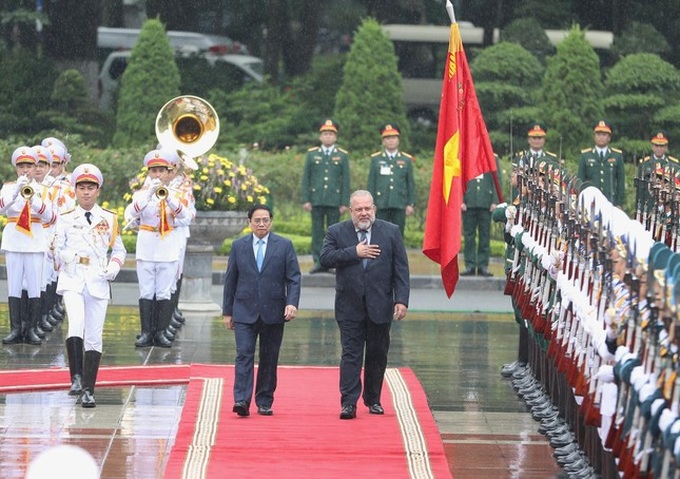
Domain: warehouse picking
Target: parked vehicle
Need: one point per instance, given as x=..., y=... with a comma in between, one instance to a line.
x=225, y=71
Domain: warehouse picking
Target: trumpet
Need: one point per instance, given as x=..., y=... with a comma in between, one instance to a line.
x=161, y=192
x=27, y=192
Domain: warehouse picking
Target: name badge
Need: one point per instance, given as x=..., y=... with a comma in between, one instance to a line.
x=385, y=170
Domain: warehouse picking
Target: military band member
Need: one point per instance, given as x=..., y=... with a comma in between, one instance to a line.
x=24, y=243
x=602, y=165
x=391, y=180
x=63, y=197
x=157, y=208
x=90, y=253
x=325, y=185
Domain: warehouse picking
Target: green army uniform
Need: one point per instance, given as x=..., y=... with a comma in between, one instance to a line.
x=605, y=173
x=480, y=194
x=648, y=173
x=393, y=186
x=325, y=184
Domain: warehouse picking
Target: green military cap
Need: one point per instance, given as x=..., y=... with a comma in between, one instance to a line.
x=603, y=126
x=659, y=137
x=389, y=129
x=329, y=124
x=537, y=129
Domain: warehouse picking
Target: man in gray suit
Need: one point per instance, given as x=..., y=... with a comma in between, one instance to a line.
x=371, y=289
x=261, y=294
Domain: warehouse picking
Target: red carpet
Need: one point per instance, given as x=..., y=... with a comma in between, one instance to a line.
x=22, y=380
x=305, y=437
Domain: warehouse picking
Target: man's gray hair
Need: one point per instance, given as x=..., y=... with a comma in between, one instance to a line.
x=360, y=193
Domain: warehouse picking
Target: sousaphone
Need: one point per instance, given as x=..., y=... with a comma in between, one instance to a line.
x=188, y=124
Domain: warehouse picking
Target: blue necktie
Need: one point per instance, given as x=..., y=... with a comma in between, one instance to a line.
x=362, y=237
x=259, y=256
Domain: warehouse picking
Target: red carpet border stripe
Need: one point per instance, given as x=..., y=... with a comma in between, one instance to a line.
x=207, y=422
x=414, y=442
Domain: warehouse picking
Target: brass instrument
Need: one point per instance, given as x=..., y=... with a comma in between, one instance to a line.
x=188, y=124
x=27, y=192
x=161, y=192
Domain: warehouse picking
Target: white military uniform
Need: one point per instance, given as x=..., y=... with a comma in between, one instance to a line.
x=24, y=250
x=86, y=269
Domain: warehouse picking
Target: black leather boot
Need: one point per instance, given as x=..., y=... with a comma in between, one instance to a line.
x=31, y=336
x=163, y=311
x=177, y=314
x=146, y=313
x=15, y=336
x=74, y=350
x=45, y=325
x=90, y=369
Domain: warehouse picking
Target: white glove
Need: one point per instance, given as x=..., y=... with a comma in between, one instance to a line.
x=510, y=212
x=67, y=256
x=36, y=203
x=606, y=373
x=153, y=186
x=22, y=181
x=111, y=271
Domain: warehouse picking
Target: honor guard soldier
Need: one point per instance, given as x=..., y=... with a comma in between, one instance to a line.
x=602, y=165
x=479, y=201
x=24, y=242
x=325, y=186
x=391, y=180
x=157, y=208
x=90, y=253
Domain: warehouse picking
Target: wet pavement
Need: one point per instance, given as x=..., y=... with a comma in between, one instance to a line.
x=455, y=347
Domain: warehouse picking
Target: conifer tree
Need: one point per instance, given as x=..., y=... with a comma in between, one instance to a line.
x=572, y=92
x=150, y=80
x=371, y=93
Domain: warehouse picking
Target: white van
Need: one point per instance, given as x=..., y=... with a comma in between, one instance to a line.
x=110, y=39
x=229, y=71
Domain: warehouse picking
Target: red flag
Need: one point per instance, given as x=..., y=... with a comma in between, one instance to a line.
x=463, y=152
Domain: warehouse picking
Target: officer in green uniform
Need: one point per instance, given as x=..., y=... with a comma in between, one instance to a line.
x=325, y=186
x=602, y=165
x=390, y=179
x=479, y=201
x=659, y=160
x=528, y=160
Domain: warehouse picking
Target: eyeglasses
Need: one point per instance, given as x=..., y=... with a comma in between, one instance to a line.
x=261, y=221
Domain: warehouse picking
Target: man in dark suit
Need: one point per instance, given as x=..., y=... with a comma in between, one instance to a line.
x=371, y=289
x=261, y=294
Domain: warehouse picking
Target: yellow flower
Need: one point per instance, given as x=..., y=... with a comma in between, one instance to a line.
x=231, y=200
x=210, y=201
x=250, y=199
x=203, y=177
x=217, y=190
x=205, y=170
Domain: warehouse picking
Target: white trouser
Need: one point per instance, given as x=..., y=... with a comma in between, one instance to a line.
x=156, y=279
x=86, y=315
x=24, y=271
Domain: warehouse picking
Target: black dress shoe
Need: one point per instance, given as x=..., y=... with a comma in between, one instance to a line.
x=469, y=272
x=484, y=272
x=264, y=411
x=348, y=412
x=241, y=408
x=376, y=409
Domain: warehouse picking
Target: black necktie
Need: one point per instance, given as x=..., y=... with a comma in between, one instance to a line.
x=362, y=237
x=88, y=216
x=602, y=156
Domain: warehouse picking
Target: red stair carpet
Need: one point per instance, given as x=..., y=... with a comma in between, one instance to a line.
x=305, y=438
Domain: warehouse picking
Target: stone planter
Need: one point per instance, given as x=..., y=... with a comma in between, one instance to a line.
x=213, y=227
x=208, y=232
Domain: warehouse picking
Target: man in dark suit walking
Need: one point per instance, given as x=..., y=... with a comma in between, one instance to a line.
x=371, y=289
x=261, y=294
